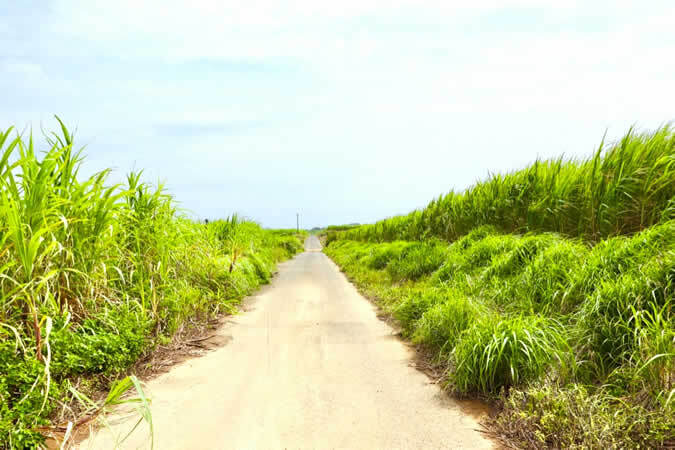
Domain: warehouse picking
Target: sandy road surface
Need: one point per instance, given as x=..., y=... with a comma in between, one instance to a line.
x=309, y=365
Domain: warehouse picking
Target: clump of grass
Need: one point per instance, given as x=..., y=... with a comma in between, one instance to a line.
x=383, y=254
x=441, y=325
x=475, y=235
x=612, y=257
x=481, y=252
x=620, y=313
x=524, y=250
x=503, y=281
x=450, y=272
x=417, y=260
x=499, y=352
x=547, y=280
x=411, y=307
x=470, y=255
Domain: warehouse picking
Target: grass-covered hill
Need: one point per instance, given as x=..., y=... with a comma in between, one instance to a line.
x=93, y=276
x=548, y=291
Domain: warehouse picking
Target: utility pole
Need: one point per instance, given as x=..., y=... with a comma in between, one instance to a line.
x=297, y=221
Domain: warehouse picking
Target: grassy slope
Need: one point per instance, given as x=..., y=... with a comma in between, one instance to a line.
x=568, y=331
x=94, y=276
x=574, y=336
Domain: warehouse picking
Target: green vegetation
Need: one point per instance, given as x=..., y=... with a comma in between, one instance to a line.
x=330, y=233
x=571, y=332
x=94, y=276
x=622, y=189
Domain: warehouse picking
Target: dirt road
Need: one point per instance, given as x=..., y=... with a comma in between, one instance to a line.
x=309, y=365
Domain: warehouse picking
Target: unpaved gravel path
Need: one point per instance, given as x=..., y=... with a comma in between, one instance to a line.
x=309, y=365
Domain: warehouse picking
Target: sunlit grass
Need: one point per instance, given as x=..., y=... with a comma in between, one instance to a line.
x=623, y=188
x=552, y=295
x=93, y=275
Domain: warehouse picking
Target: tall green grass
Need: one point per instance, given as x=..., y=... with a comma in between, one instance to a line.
x=94, y=275
x=552, y=294
x=496, y=352
x=518, y=316
x=621, y=189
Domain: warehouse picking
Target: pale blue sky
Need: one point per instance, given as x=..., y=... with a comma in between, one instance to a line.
x=344, y=111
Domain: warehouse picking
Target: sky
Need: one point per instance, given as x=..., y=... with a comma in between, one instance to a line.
x=347, y=111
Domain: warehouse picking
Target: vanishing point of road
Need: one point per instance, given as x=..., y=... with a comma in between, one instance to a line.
x=307, y=365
